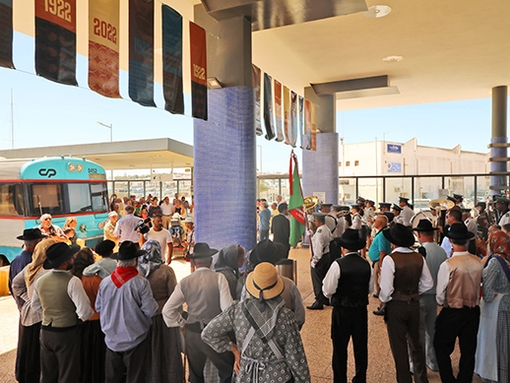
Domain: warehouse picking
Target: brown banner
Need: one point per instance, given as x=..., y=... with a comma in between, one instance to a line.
x=6, y=34
x=198, y=71
x=55, y=40
x=278, y=110
x=104, y=47
x=255, y=83
x=286, y=115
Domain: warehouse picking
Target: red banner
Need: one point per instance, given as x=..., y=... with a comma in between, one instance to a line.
x=198, y=71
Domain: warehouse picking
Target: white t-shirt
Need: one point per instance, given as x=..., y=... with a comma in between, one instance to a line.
x=163, y=237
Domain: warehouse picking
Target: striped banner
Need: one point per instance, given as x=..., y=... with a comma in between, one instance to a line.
x=308, y=125
x=6, y=34
x=55, y=40
x=104, y=47
x=172, y=60
x=313, y=126
x=286, y=116
x=268, y=107
x=301, y=121
x=293, y=118
x=278, y=110
x=198, y=71
x=255, y=79
x=141, y=52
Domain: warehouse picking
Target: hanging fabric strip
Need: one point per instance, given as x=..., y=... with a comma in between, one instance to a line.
x=104, y=47
x=293, y=118
x=278, y=110
x=256, y=78
x=55, y=40
x=198, y=71
x=6, y=34
x=172, y=60
x=268, y=107
x=141, y=52
x=313, y=138
x=301, y=122
x=286, y=116
x=308, y=125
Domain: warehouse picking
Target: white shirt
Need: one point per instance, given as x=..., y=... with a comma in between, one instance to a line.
x=447, y=246
x=504, y=219
x=407, y=213
x=330, y=282
x=163, y=237
x=167, y=208
x=75, y=291
x=320, y=244
x=471, y=225
x=388, y=276
x=126, y=228
x=356, y=222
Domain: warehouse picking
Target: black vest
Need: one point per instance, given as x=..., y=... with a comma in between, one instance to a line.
x=352, y=290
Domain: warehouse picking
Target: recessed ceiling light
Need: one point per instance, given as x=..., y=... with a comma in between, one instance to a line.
x=377, y=11
x=389, y=59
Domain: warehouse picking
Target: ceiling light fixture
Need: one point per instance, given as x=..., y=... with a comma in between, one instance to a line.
x=395, y=58
x=377, y=11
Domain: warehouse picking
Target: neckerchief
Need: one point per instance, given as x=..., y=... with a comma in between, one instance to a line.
x=123, y=274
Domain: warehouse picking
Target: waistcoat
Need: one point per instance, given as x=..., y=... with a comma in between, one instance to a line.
x=352, y=290
x=58, y=308
x=408, y=268
x=464, y=282
x=202, y=295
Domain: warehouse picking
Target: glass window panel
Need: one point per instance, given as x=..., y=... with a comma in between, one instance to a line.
x=99, y=197
x=47, y=198
x=11, y=199
x=121, y=188
x=79, y=198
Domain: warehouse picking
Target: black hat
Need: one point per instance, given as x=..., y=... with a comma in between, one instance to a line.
x=390, y=215
x=355, y=206
x=267, y=251
x=399, y=235
x=360, y=200
x=503, y=200
x=352, y=239
x=105, y=248
x=320, y=216
x=459, y=231
x=31, y=234
x=458, y=196
x=325, y=205
x=451, y=199
x=370, y=202
x=202, y=250
x=58, y=253
x=424, y=225
x=384, y=204
x=403, y=199
x=396, y=207
x=483, y=205
x=127, y=250
x=465, y=210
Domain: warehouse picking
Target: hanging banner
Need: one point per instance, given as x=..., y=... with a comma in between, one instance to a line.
x=104, y=47
x=6, y=34
x=198, y=71
x=308, y=125
x=55, y=40
x=141, y=52
x=268, y=107
x=172, y=60
x=313, y=135
x=255, y=79
x=293, y=118
x=278, y=110
x=286, y=116
x=301, y=121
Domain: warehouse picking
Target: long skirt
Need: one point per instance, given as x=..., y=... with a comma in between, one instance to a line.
x=503, y=345
x=93, y=351
x=28, y=367
x=165, y=360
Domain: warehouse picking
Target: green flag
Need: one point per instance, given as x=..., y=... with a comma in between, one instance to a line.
x=297, y=215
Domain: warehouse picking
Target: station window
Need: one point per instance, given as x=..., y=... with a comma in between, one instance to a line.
x=347, y=163
x=356, y=163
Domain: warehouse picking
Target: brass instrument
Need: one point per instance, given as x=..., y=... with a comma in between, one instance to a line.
x=441, y=203
x=309, y=205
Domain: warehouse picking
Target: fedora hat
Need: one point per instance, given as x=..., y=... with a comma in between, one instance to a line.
x=58, y=253
x=31, y=234
x=399, y=235
x=424, y=225
x=264, y=282
x=105, y=248
x=202, y=250
x=459, y=231
x=127, y=250
x=266, y=251
x=352, y=239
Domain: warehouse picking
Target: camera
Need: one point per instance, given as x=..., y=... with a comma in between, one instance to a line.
x=144, y=226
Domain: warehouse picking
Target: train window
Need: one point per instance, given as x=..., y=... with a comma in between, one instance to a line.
x=79, y=198
x=47, y=198
x=99, y=197
x=11, y=203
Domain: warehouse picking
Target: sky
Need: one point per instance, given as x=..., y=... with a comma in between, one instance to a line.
x=47, y=113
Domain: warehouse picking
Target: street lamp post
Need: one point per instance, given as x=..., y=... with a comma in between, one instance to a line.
x=111, y=140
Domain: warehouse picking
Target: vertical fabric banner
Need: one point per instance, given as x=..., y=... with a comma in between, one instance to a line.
x=104, y=47
x=172, y=60
x=268, y=107
x=293, y=118
x=278, y=110
x=296, y=202
x=313, y=135
x=301, y=122
x=286, y=115
x=6, y=34
x=141, y=52
x=308, y=125
x=55, y=40
x=198, y=71
x=255, y=79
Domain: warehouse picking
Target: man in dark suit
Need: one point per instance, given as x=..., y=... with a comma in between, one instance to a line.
x=280, y=227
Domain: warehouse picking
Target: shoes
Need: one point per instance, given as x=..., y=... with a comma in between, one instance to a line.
x=375, y=295
x=316, y=306
x=379, y=311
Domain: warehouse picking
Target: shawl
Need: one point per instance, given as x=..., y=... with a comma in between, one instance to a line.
x=38, y=258
x=152, y=259
x=263, y=321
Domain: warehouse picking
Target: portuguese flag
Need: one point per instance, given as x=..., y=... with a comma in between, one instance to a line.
x=297, y=219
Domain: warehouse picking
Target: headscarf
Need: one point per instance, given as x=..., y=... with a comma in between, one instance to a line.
x=227, y=259
x=152, y=259
x=499, y=244
x=38, y=258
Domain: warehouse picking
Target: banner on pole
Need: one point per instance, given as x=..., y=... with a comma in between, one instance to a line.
x=293, y=118
x=268, y=107
x=198, y=71
x=278, y=110
x=286, y=116
x=255, y=79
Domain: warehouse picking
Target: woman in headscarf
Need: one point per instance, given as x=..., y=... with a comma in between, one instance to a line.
x=165, y=354
x=230, y=259
x=492, y=363
x=268, y=346
x=27, y=355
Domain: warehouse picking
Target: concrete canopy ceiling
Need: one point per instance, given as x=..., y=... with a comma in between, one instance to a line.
x=452, y=50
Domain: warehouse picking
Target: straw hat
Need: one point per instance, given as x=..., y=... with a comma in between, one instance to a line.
x=264, y=282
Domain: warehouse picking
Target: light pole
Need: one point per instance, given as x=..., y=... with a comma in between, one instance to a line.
x=111, y=140
x=260, y=157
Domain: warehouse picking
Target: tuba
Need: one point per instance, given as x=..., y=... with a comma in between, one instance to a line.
x=309, y=205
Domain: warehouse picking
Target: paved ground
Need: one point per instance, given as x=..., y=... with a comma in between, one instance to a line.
x=315, y=334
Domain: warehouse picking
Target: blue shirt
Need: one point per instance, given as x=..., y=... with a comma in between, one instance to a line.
x=17, y=265
x=125, y=312
x=265, y=217
x=380, y=243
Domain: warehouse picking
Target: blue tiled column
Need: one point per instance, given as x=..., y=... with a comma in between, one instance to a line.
x=225, y=170
x=320, y=168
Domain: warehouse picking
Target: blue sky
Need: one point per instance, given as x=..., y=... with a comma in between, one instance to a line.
x=46, y=113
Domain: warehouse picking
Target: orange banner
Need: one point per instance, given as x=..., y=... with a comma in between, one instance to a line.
x=104, y=47
x=59, y=12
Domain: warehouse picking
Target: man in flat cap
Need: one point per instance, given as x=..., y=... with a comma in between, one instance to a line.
x=319, y=263
x=384, y=206
x=356, y=219
x=454, y=215
x=396, y=210
x=502, y=210
x=126, y=307
x=207, y=294
x=459, y=198
x=63, y=301
x=340, y=212
x=407, y=213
